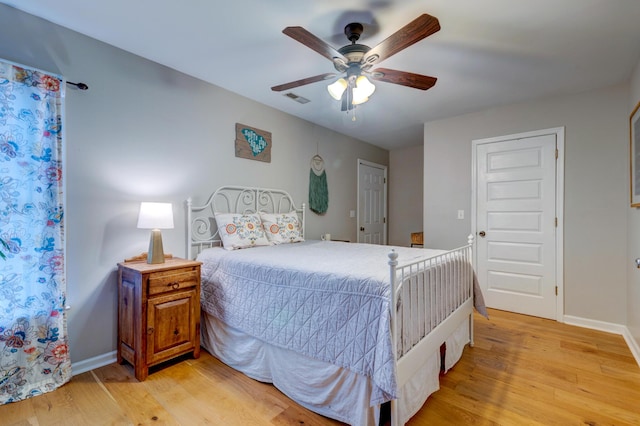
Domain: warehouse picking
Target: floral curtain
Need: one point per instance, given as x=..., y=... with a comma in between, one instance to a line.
x=34, y=354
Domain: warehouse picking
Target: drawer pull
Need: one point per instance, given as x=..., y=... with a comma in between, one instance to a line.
x=150, y=330
x=174, y=286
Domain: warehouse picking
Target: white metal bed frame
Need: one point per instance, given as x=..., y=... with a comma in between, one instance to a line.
x=439, y=288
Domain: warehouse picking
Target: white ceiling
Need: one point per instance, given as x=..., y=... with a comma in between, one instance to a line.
x=488, y=52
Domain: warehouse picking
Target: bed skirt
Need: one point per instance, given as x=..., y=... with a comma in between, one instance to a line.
x=319, y=386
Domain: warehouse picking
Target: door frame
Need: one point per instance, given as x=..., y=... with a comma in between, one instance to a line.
x=558, y=132
x=386, y=225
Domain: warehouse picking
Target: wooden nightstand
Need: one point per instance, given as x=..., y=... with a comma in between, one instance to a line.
x=158, y=312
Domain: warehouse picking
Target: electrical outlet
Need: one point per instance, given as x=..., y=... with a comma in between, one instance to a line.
x=460, y=214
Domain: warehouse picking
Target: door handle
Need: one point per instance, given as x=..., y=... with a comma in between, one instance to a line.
x=362, y=229
x=482, y=234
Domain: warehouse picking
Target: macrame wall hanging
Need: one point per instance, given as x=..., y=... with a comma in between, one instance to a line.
x=318, y=190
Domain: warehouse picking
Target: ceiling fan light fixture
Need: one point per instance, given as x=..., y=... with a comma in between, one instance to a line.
x=337, y=88
x=362, y=90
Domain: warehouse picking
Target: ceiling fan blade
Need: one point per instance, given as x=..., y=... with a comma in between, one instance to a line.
x=413, y=32
x=409, y=79
x=302, y=82
x=312, y=42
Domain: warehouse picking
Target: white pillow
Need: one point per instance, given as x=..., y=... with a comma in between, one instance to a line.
x=282, y=227
x=240, y=230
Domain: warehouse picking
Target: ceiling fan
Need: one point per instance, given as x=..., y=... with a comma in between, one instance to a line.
x=355, y=61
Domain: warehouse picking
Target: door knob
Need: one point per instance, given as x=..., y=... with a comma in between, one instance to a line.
x=482, y=234
x=362, y=228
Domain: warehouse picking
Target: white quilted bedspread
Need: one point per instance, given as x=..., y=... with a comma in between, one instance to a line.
x=327, y=300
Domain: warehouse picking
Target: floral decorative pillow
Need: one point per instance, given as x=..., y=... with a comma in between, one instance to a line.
x=282, y=227
x=239, y=231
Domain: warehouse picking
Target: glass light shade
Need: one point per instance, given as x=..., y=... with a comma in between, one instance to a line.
x=337, y=88
x=357, y=100
x=364, y=88
x=155, y=216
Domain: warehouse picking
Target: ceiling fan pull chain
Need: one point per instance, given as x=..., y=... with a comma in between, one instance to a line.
x=351, y=107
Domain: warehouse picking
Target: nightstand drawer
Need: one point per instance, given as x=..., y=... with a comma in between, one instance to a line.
x=162, y=282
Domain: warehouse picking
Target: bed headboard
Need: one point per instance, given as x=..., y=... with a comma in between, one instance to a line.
x=202, y=231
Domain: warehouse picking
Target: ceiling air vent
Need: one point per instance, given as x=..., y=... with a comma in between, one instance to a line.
x=298, y=99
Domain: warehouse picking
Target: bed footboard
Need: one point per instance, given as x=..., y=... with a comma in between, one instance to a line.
x=432, y=297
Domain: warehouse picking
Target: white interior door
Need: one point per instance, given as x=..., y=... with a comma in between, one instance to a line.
x=372, y=203
x=516, y=223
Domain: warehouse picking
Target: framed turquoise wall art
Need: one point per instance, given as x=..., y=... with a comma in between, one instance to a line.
x=252, y=143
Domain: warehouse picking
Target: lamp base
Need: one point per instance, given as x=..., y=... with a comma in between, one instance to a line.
x=156, y=252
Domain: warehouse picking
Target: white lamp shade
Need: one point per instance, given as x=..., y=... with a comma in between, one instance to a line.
x=155, y=216
x=337, y=88
x=364, y=88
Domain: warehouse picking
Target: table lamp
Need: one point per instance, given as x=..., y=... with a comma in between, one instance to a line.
x=155, y=216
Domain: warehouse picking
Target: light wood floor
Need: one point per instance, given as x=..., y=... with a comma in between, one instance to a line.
x=521, y=371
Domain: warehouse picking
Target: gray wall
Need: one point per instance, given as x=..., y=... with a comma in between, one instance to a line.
x=143, y=132
x=633, y=242
x=596, y=188
x=405, y=194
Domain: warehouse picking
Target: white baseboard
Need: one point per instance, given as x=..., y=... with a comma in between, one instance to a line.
x=92, y=363
x=609, y=328
x=633, y=345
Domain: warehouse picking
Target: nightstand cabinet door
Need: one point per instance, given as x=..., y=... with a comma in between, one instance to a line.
x=158, y=312
x=171, y=325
